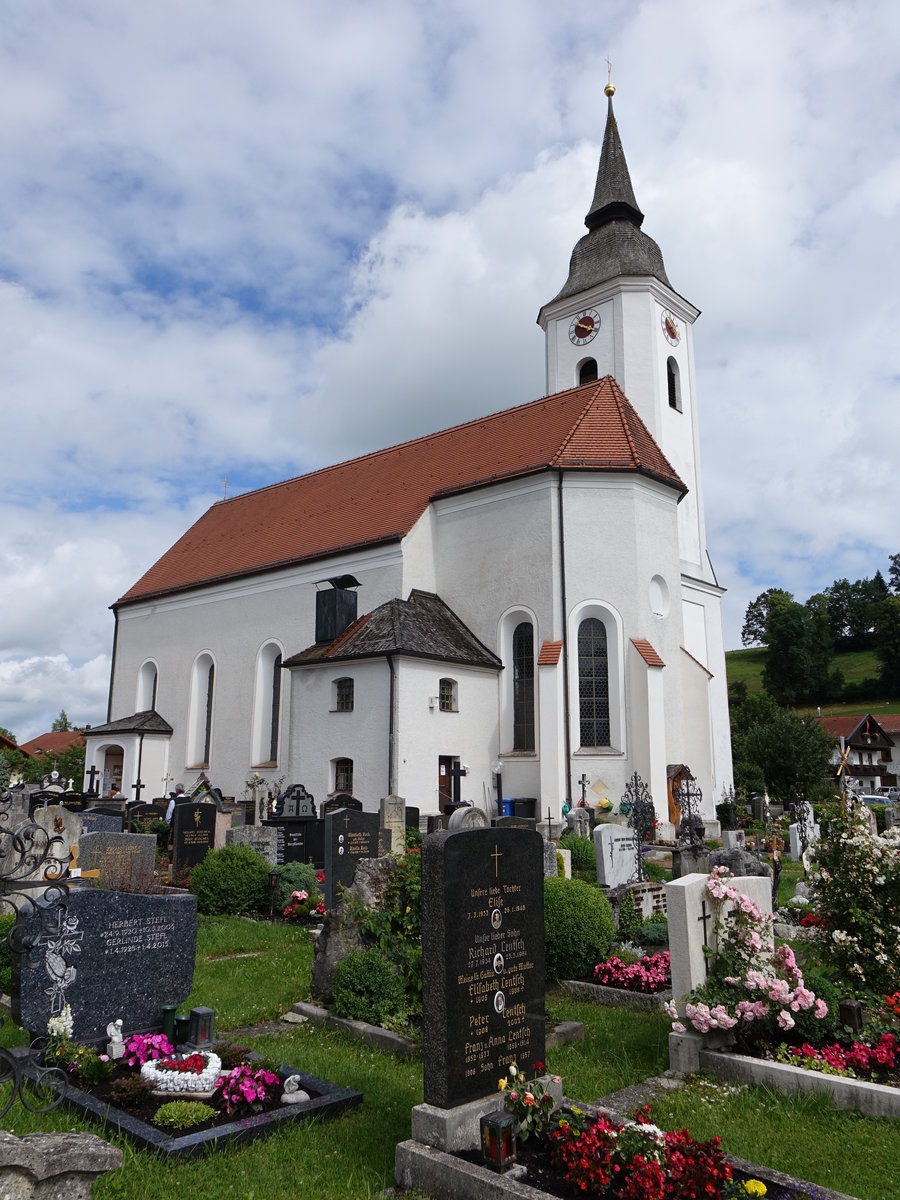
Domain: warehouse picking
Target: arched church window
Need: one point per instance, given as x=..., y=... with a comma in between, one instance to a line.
x=203, y=679
x=146, y=689
x=266, y=722
x=673, y=383
x=587, y=372
x=593, y=682
x=523, y=686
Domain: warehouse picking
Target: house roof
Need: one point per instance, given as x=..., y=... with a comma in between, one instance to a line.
x=379, y=497
x=647, y=653
x=52, y=743
x=422, y=626
x=853, y=728
x=147, y=721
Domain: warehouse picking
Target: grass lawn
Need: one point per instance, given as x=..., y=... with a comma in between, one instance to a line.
x=746, y=666
x=252, y=971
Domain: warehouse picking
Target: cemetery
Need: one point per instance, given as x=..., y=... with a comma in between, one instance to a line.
x=478, y=1010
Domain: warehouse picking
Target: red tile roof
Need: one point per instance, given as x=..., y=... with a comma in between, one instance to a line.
x=845, y=726
x=647, y=653
x=378, y=498
x=52, y=743
x=549, y=654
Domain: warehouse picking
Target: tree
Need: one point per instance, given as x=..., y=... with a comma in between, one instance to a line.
x=887, y=641
x=7, y=733
x=798, y=650
x=894, y=573
x=754, y=631
x=61, y=724
x=778, y=751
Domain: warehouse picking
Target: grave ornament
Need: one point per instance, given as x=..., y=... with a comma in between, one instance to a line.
x=641, y=818
x=689, y=799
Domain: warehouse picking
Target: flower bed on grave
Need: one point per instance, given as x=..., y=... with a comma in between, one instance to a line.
x=183, y=1103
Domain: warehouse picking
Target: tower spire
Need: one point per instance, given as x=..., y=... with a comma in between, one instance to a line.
x=613, y=194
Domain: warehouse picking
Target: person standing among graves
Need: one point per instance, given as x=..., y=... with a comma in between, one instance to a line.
x=179, y=791
x=115, y=793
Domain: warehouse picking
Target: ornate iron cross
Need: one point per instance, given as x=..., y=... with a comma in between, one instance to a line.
x=641, y=817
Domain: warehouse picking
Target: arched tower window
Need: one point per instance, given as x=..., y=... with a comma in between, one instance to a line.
x=203, y=679
x=673, y=382
x=523, y=686
x=587, y=372
x=146, y=688
x=266, y=723
x=593, y=682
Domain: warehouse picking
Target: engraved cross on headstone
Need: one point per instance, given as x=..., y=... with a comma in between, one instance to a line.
x=705, y=917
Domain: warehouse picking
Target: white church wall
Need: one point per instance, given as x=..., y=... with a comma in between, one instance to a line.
x=696, y=732
x=231, y=621
x=155, y=776
x=426, y=733
x=319, y=734
x=698, y=596
x=564, y=357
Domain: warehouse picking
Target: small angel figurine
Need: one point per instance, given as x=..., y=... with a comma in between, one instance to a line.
x=293, y=1093
x=116, y=1046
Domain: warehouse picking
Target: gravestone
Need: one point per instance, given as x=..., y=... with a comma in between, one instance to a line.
x=578, y=821
x=412, y=817
x=193, y=835
x=733, y=839
x=223, y=824
x=506, y=823
x=107, y=955
x=262, y=838
x=469, y=818
x=809, y=835
x=127, y=859
x=689, y=860
x=291, y=839
x=435, y=822
x=692, y=924
x=615, y=851
x=336, y=803
x=142, y=816
x=482, y=960
x=649, y=898
x=551, y=866
x=99, y=820
x=61, y=825
x=888, y=817
x=296, y=802
x=349, y=837
x=393, y=817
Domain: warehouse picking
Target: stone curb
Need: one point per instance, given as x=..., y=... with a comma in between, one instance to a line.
x=615, y=997
x=372, y=1035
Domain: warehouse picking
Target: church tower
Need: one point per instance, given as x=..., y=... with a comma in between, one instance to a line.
x=618, y=314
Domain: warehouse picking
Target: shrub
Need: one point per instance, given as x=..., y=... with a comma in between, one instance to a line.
x=366, y=988
x=582, y=851
x=578, y=928
x=183, y=1114
x=295, y=877
x=396, y=927
x=6, y=924
x=655, y=930
x=630, y=924
x=131, y=1090
x=231, y=881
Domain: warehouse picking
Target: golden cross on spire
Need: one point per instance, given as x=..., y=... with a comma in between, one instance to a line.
x=610, y=89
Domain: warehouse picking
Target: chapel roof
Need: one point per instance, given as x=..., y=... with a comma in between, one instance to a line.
x=378, y=497
x=148, y=721
x=614, y=244
x=422, y=626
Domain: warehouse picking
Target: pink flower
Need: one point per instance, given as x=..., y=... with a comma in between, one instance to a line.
x=785, y=1020
x=821, y=1009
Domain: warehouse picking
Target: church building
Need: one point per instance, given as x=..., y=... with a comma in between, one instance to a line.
x=528, y=593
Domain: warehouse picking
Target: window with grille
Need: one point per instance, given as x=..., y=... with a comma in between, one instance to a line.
x=447, y=695
x=593, y=683
x=343, y=695
x=587, y=372
x=343, y=775
x=674, y=384
x=523, y=686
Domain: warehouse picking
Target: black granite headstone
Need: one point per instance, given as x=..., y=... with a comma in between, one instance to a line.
x=193, y=835
x=142, y=816
x=336, y=803
x=482, y=959
x=107, y=955
x=349, y=837
x=292, y=838
x=296, y=802
x=412, y=817
x=95, y=820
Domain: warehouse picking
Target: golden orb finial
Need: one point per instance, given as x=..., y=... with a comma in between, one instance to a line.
x=609, y=90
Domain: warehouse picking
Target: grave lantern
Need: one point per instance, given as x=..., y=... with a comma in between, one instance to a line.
x=182, y=1028
x=498, y=1139
x=168, y=1021
x=851, y=1015
x=202, y=1021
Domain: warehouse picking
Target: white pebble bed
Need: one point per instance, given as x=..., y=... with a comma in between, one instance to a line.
x=183, y=1081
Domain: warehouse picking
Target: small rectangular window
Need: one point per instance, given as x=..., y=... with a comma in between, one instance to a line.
x=447, y=695
x=343, y=695
x=343, y=775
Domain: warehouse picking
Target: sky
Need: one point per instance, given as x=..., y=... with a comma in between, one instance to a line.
x=245, y=241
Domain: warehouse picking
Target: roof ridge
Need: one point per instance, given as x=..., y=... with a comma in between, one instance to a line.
x=618, y=395
x=564, y=444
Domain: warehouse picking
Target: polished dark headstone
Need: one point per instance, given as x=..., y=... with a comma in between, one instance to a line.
x=349, y=837
x=95, y=820
x=193, y=835
x=335, y=803
x=107, y=955
x=412, y=817
x=296, y=802
x=482, y=959
x=291, y=839
x=142, y=816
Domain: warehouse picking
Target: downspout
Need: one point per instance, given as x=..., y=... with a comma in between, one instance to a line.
x=139, y=763
x=390, y=791
x=112, y=665
x=565, y=640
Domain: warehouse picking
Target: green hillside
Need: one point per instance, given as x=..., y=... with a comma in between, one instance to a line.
x=745, y=666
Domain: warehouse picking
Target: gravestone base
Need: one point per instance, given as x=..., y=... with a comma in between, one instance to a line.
x=44, y=1165
x=455, y=1129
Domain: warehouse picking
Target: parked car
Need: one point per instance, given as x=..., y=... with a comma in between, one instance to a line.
x=891, y=793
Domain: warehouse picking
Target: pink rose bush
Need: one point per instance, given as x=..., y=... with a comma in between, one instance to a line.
x=650, y=974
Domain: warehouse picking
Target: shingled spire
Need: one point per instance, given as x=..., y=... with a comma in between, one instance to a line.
x=613, y=194
x=615, y=244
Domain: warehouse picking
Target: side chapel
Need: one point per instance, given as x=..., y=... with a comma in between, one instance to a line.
x=529, y=591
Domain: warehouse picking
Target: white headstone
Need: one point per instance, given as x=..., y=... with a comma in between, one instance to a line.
x=691, y=917
x=393, y=817
x=712, y=830
x=734, y=839
x=615, y=849
x=812, y=836
x=579, y=822
x=665, y=831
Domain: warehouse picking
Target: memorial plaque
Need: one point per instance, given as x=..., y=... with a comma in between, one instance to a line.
x=290, y=843
x=482, y=959
x=107, y=955
x=349, y=837
x=193, y=835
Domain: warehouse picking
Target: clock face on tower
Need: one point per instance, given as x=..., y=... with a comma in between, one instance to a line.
x=584, y=327
x=670, y=327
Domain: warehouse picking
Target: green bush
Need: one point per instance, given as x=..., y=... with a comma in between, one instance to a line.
x=295, y=877
x=231, y=881
x=366, y=987
x=630, y=924
x=655, y=930
x=396, y=927
x=183, y=1114
x=578, y=928
x=6, y=924
x=582, y=851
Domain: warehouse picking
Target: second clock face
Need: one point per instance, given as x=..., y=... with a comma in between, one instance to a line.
x=670, y=328
x=584, y=327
